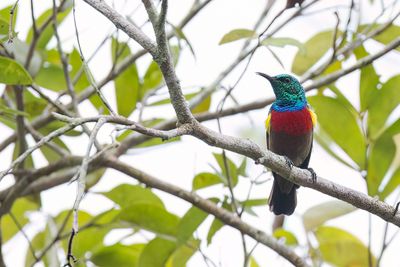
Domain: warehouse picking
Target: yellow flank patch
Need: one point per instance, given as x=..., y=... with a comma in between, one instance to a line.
x=268, y=121
x=313, y=116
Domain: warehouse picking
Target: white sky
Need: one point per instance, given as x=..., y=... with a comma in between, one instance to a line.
x=192, y=156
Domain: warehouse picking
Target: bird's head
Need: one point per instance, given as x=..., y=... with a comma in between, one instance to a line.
x=287, y=89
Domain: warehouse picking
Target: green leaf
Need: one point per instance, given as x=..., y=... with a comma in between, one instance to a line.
x=289, y=237
x=382, y=153
x=29, y=164
x=156, y=253
x=88, y=239
x=284, y=41
x=118, y=255
x=320, y=213
x=326, y=142
x=181, y=35
x=242, y=168
x=175, y=53
x=3, y=29
x=385, y=101
x=49, y=153
x=13, y=73
x=126, y=195
x=151, y=217
x=189, y=223
x=253, y=262
x=233, y=175
x=19, y=210
x=237, y=34
x=94, y=177
x=254, y=202
x=341, y=248
x=315, y=48
x=77, y=72
x=33, y=105
x=369, y=81
x=39, y=242
x=5, y=14
x=343, y=99
x=205, y=179
x=203, y=106
x=54, y=125
x=51, y=76
x=11, y=111
x=48, y=32
x=216, y=225
x=127, y=84
x=392, y=184
x=343, y=127
x=181, y=255
x=386, y=36
x=152, y=78
x=20, y=50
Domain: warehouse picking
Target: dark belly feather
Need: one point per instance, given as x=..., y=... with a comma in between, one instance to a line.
x=290, y=134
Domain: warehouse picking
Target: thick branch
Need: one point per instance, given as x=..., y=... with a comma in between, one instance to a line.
x=296, y=175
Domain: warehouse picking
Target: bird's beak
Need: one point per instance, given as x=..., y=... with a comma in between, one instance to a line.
x=266, y=76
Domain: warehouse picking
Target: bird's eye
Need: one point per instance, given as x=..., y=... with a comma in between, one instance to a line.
x=286, y=80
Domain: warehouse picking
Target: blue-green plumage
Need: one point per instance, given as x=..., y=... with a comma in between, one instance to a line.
x=289, y=133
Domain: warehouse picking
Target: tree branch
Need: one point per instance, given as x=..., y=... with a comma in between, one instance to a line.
x=209, y=207
x=296, y=175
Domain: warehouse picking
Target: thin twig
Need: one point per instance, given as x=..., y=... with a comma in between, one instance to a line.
x=64, y=63
x=82, y=173
x=86, y=67
x=55, y=239
x=70, y=257
x=11, y=23
x=53, y=146
x=22, y=231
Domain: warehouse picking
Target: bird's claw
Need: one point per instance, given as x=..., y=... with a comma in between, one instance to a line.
x=289, y=162
x=313, y=175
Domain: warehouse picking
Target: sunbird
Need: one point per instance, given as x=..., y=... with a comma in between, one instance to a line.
x=289, y=132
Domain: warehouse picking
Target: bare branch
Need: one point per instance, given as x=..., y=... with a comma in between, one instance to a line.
x=132, y=125
x=83, y=171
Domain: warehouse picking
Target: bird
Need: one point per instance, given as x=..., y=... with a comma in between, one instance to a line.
x=289, y=133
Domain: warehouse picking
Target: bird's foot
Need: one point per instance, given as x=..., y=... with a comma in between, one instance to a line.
x=289, y=162
x=260, y=161
x=396, y=208
x=313, y=175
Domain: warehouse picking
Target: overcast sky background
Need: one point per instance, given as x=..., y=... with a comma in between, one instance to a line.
x=177, y=163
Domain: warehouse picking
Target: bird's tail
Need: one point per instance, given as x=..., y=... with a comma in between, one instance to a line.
x=281, y=202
